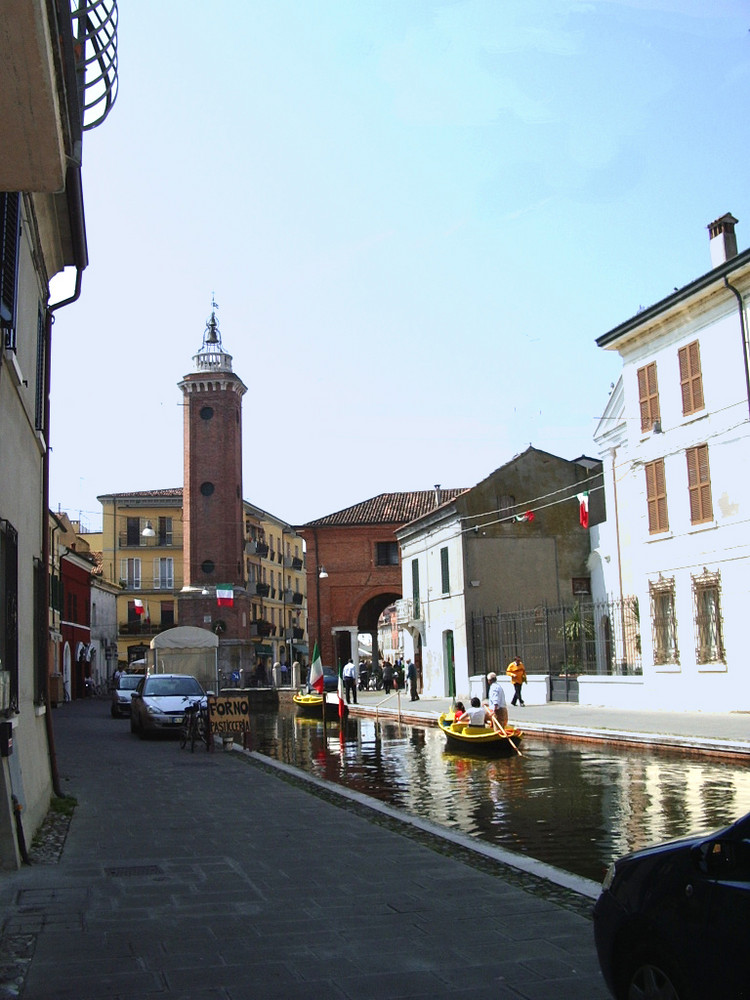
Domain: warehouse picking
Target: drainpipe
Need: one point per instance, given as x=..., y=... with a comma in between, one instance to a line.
x=74, y=197
x=743, y=333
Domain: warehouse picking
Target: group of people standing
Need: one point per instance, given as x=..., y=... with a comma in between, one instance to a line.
x=394, y=678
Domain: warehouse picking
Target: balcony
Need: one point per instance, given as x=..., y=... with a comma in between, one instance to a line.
x=256, y=548
x=262, y=589
x=262, y=628
x=142, y=628
x=294, y=634
x=169, y=540
x=297, y=597
x=406, y=612
x=292, y=562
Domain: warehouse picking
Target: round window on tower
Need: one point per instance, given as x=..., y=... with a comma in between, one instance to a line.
x=207, y=566
x=207, y=489
x=207, y=412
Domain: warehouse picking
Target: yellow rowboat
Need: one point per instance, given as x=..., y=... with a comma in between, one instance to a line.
x=311, y=706
x=479, y=739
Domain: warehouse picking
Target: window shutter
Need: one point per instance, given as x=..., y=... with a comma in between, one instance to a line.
x=691, y=379
x=10, y=230
x=648, y=396
x=656, y=497
x=444, y=574
x=699, y=484
x=157, y=578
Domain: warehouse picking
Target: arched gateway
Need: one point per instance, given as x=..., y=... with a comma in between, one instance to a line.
x=354, y=569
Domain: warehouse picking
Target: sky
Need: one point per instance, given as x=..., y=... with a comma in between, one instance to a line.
x=416, y=217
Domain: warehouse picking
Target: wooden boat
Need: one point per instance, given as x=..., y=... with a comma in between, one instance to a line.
x=479, y=739
x=311, y=706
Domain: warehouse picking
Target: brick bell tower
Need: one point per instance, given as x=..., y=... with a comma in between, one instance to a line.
x=212, y=509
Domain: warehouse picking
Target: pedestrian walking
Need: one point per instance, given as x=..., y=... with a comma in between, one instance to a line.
x=411, y=676
x=517, y=673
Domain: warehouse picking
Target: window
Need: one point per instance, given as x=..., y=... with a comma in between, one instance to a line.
x=164, y=574
x=506, y=506
x=386, y=553
x=664, y=622
x=699, y=484
x=10, y=229
x=656, y=497
x=133, y=531
x=415, y=587
x=648, y=396
x=444, y=572
x=581, y=585
x=165, y=531
x=708, y=625
x=130, y=573
x=691, y=380
x=8, y=616
x=167, y=613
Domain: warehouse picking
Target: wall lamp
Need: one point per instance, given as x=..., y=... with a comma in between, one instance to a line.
x=322, y=575
x=148, y=531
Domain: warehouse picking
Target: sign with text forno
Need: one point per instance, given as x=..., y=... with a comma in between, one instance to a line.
x=228, y=714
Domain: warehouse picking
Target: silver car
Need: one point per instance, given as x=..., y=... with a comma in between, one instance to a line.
x=159, y=703
x=122, y=693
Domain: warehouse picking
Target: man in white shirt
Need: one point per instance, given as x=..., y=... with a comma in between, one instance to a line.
x=350, y=682
x=496, y=698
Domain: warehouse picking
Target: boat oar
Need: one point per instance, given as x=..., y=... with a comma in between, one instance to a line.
x=498, y=726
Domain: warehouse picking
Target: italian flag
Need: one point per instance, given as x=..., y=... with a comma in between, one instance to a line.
x=316, y=672
x=225, y=594
x=583, y=508
x=342, y=707
x=138, y=607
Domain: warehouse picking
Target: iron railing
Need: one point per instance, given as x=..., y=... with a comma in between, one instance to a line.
x=582, y=638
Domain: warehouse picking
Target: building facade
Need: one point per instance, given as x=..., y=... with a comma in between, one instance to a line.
x=512, y=543
x=675, y=440
x=45, y=79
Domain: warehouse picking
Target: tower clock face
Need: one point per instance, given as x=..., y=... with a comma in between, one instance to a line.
x=206, y=412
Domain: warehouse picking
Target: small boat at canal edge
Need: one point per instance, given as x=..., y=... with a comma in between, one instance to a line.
x=311, y=706
x=479, y=739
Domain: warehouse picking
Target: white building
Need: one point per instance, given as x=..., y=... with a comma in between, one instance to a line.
x=675, y=442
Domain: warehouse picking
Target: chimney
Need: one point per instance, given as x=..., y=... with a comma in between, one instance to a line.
x=722, y=241
x=437, y=494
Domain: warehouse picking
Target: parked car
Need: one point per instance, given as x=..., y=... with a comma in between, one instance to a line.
x=673, y=921
x=122, y=693
x=159, y=702
x=330, y=679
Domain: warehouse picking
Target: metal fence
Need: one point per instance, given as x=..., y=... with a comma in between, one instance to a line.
x=582, y=638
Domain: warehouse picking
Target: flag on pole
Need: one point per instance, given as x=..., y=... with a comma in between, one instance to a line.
x=317, y=681
x=583, y=508
x=138, y=606
x=225, y=594
x=342, y=708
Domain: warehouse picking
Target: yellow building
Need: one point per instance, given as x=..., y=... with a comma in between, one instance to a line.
x=141, y=543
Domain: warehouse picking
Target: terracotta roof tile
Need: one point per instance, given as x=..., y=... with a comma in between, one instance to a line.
x=386, y=508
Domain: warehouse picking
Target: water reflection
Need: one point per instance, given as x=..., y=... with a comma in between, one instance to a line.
x=573, y=805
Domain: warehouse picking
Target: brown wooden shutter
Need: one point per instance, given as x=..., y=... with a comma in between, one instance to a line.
x=648, y=396
x=699, y=484
x=691, y=379
x=656, y=497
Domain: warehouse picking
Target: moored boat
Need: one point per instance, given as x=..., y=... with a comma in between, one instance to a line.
x=479, y=739
x=311, y=706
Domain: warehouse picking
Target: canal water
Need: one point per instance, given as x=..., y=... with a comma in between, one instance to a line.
x=574, y=805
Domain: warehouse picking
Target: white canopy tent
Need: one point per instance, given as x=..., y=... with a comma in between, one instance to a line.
x=188, y=650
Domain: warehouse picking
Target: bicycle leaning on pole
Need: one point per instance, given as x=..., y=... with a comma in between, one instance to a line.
x=195, y=727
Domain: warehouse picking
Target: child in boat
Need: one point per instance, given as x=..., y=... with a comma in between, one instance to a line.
x=459, y=711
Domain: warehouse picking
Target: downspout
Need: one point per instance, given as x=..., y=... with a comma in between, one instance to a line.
x=743, y=333
x=74, y=196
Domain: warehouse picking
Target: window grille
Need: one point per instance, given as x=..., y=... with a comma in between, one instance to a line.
x=664, y=622
x=708, y=619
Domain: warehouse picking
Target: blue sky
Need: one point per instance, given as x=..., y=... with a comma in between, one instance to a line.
x=415, y=217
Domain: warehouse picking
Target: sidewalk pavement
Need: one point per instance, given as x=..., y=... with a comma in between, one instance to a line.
x=218, y=876
x=722, y=733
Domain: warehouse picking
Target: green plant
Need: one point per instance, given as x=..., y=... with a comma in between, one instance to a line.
x=64, y=805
